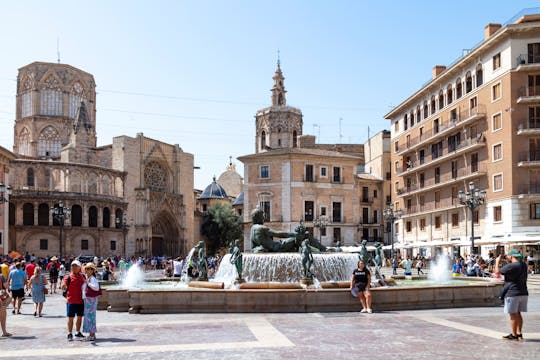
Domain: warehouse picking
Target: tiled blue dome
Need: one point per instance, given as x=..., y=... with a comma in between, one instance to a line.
x=214, y=191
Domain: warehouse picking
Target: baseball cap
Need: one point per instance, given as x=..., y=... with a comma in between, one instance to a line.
x=76, y=262
x=515, y=253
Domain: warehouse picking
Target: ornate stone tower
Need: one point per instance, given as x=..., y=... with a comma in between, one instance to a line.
x=279, y=125
x=49, y=98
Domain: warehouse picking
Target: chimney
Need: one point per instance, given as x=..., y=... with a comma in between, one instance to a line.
x=490, y=29
x=437, y=70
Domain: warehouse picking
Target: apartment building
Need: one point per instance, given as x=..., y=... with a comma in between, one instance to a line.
x=476, y=122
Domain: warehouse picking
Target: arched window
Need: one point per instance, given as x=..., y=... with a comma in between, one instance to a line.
x=75, y=181
x=47, y=179
x=106, y=185
x=75, y=98
x=459, y=89
x=468, y=82
x=49, y=143
x=263, y=140
x=24, y=142
x=28, y=214
x=30, y=180
x=479, y=75
x=433, y=109
x=406, y=122
x=411, y=117
x=426, y=110
x=43, y=215
x=76, y=215
x=155, y=176
x=27, y=98
x=294, y=139
x=441, y=100
x=418, y=116
x=449, y=94
x=106, y=217
x=118, y=218
x=92, y=216
x=51, y=97
x=92, y=183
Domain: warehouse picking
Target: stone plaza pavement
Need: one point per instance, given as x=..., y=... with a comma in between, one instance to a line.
x=471, y=333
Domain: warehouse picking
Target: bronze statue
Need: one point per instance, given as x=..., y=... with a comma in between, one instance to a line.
x=261, y=236
x=364, y=254
x=307, y=259
x=203, y=267
x=236, y=259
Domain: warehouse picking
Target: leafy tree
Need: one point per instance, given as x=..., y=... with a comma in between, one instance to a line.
x=220, y=226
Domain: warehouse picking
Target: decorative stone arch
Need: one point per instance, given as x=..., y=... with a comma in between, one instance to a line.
x=118, y=187
x=106, y=185
x=49, y=142
x=166, y=235
x=57, y=179
x=30, y=242
x=74, y=181
x=28, y=83
x=92, y=182
x=157, y=176
x=51, y=80
x=24, y=141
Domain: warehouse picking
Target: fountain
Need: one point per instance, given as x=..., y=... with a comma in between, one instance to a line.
x=271, y=282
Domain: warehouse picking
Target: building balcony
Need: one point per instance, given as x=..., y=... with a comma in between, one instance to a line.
x=529, y=159
x=429, y=207
x=461, y=174
x=528, y=95
x=456, y=120
x=366, y=200
x=528, y=62
x=529, y=189
x=530, y=126
x=446, y=153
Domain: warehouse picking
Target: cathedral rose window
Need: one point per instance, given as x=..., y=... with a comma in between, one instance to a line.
x=155, y=176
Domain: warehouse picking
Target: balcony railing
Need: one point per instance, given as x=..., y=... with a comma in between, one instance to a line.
x=531, y=189
x=532, y=123
x=366, y=200
x=432, y=206
x=526, y=59
x=446, y=150
x=453, y=120
x=446, y=177
x=528, y=91
x=529, y=156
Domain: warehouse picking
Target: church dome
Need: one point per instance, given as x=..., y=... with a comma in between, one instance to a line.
x=214, y=191
x=231, y=180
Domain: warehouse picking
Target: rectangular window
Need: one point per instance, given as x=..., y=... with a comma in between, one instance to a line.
x=533, y=53
x=496, y=92
x=396, y=187
x=113, y=245
x=454, y=195
x=309, y=173
x=422, y=180
x=323, y=210
x=455, y=219
x=498, y=182
x=43, y=244
x=496, y=122
x=337, y=174
x=308, y=210
x=437, y=175
x=84, y=244
x=265, y=171
x=375, y=216
x=473, y=103
x=435, y=126
x=408, y=226
x=375, y=194
x=437, y=222
x=454, y=169
x=336, y=235
x=437, y=199
x=497, y=61
x=497, y=213
x=365, y=215
x=423, y=224
x=336, y=211
x=265, y=207
x=497, y=152
x=365, y=194
x=421, y=156
x=474, y=162
x=396, y=126
x=323, y=171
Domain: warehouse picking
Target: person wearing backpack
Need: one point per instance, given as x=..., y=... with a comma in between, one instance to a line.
x=91, y=293
x=52, y=268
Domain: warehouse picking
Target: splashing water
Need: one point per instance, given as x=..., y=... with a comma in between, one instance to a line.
x=134, y=277
x=439, y=272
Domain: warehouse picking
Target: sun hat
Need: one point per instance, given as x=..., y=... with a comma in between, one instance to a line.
x=54, y=258
x=515, y=253
x=76, y=262
x=90, y=265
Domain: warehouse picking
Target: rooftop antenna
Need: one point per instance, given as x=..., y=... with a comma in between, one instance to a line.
x=340, y=134
x=58, y=48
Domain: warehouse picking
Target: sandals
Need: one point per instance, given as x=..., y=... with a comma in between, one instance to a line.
x=7, y=334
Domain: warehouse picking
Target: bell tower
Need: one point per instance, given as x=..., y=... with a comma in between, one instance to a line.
x=279, y=125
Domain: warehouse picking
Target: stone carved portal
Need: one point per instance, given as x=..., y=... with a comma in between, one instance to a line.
x=165, y=235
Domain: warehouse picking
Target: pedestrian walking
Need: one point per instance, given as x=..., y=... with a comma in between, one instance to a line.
x=17, y=283
x=38, y=286
x=419, y=266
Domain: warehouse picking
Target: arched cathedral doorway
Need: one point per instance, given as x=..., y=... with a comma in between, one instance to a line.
x=165, y=236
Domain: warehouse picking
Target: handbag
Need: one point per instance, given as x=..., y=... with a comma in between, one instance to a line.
x=45, y=291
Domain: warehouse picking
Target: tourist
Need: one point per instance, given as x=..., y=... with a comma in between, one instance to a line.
x=4, y=303
x=514, y=291
x=360, y=284
x=52, y=268
x=38, y=284
x=5, y=268
x=473, y=268
x=17, y=282
x=419, y=266
x=457, y=268
x=491, y=262
x=406, y=264
x=73, y=283
x=530, y=263
x=177, y=265
x=91, y=292
x=395, y=263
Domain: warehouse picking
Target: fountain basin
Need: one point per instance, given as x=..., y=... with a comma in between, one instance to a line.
x=197, y=300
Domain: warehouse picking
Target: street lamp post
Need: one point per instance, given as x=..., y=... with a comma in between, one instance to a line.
x=5, y=190
x=321, y=222
x=472, y=199
x=391, y=216
x=122, y=223
x=60, y=213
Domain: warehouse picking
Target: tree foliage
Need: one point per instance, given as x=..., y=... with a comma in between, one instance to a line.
x=220, y=226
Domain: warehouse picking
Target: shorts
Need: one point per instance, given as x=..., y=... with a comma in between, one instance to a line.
x=53, y=280
x=19, y=293
x=515, y=304
x=74, y=309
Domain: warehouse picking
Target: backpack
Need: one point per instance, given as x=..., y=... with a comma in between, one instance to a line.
x=53, y=271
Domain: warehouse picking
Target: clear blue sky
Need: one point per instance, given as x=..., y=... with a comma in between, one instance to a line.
x=205, y=67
